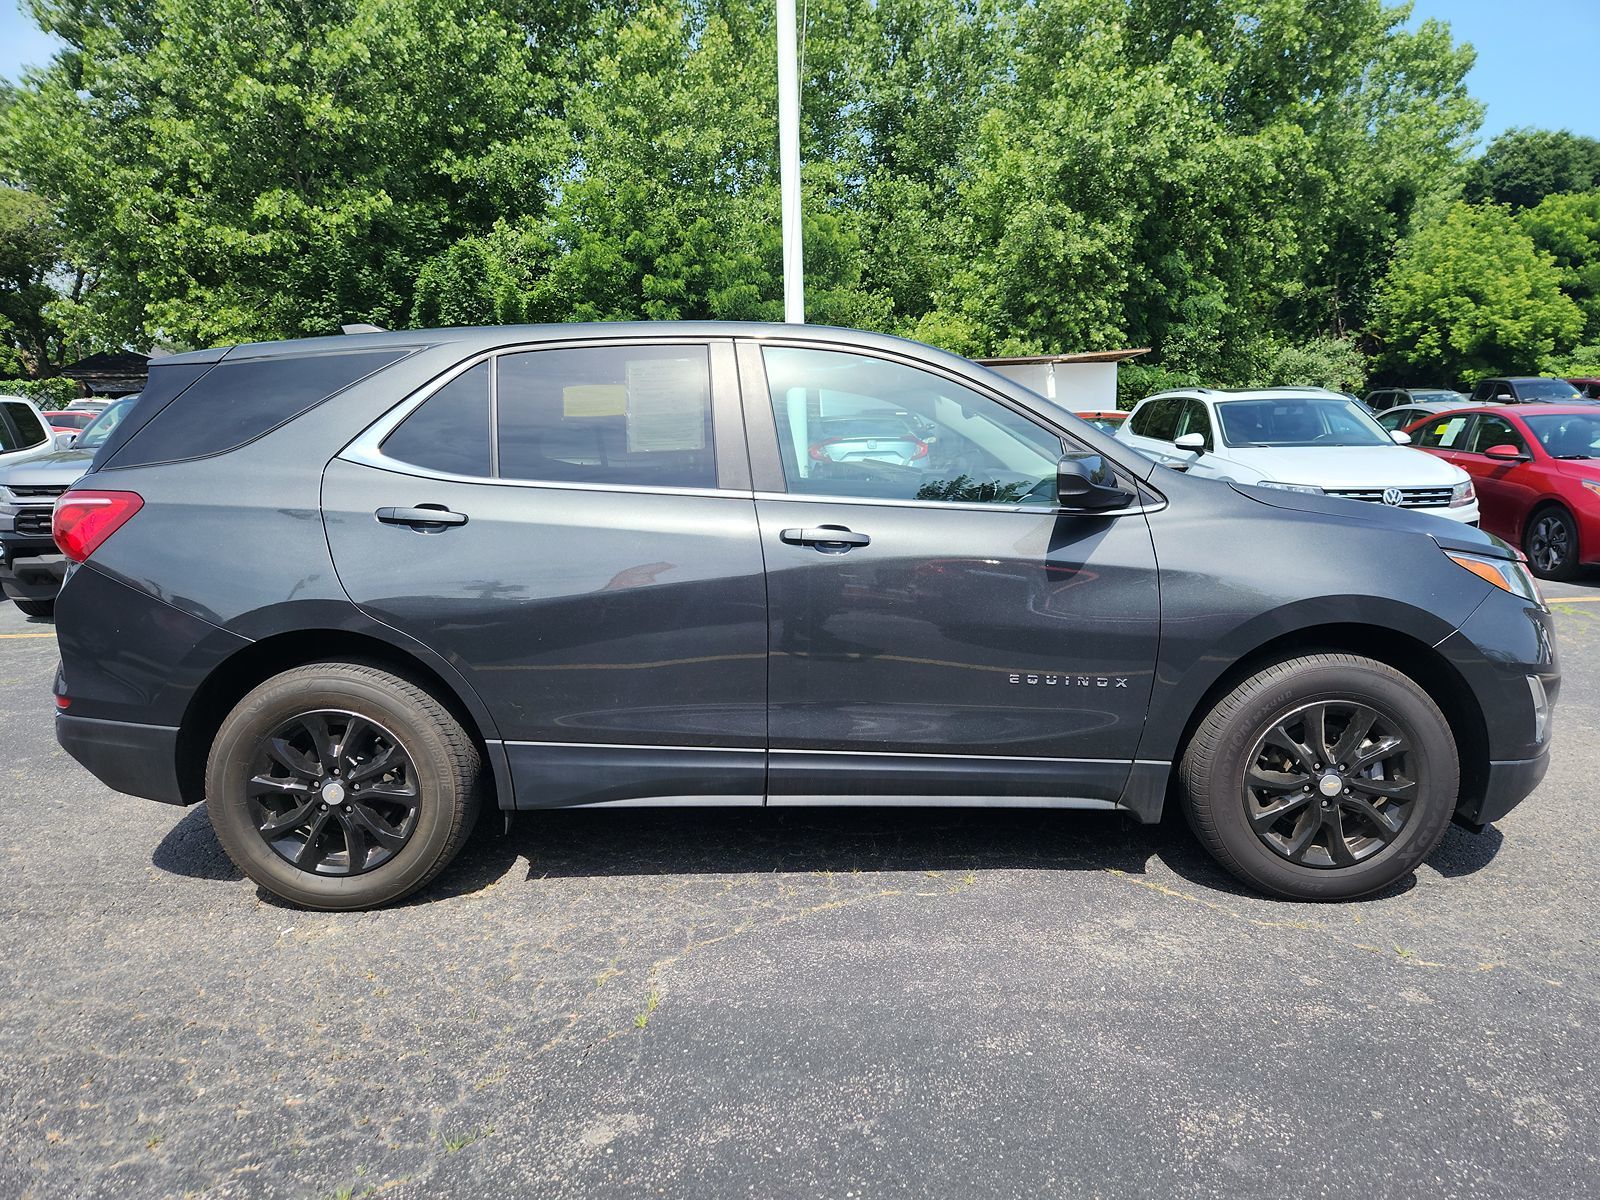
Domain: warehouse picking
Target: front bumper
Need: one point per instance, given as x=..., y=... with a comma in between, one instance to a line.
x=1466, y=514
x=33, y=576
x=1510, y=783
x=140, y=760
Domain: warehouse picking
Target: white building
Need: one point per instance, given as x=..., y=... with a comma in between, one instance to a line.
x=1085, y=382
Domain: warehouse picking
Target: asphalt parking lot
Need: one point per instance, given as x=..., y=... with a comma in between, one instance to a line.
x=850, y=1004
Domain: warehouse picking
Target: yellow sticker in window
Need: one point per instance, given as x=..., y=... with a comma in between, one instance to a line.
x=594, y=400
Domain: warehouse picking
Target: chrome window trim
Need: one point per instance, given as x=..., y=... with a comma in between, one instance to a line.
x=961, y=506
x=366, y=448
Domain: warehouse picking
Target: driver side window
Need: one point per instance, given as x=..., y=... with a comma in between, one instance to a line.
x=856, y=426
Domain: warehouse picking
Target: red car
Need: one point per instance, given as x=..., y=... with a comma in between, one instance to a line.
x=1536, y=469
x=70, y=421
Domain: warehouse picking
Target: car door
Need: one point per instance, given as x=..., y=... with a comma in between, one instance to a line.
x=939, y=630
x=1506, y=489
x=571, y=527
x=1444, y=435
x=1195, y=417
x=1154, y=425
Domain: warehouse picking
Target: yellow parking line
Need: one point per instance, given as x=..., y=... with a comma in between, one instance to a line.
x=1572, y=599
x=18, y=635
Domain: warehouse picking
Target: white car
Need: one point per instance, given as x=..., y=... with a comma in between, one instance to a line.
x=24, y=432
x=1301, y=439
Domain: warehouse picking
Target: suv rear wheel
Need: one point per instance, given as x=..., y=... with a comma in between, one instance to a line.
x=341, y=786
x=1325, y=777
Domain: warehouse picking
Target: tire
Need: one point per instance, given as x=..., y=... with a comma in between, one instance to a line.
x=1235, y=819
x=1551, y=543
x=270, y=766
x=37, y=608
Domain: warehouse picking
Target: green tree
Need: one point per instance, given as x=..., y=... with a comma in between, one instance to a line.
x=1472, y=295
x=1567, y=227
x=261, y=168
x=1336, y=363
x=32, y=259
x=1523, y=166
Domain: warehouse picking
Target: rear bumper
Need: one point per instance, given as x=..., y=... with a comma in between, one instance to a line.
x=141, y=760
x=33, y=577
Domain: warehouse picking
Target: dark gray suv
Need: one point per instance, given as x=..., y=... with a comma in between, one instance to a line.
x=364, y=584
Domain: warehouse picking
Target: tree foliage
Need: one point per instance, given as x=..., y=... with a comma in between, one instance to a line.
x=1567, y=227
x=32, y=260
x=1472, y=295
x=1223, y=182
x=1523, y=166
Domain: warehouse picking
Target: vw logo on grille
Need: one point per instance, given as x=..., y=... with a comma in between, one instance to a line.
x=1393, y=495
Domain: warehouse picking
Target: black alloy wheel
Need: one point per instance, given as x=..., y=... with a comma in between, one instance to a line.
x=334, y=793
x=342, y=785
x=1552, y=544
x=1330, y=784
x=1327, y=776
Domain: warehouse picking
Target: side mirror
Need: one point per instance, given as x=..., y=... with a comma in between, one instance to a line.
x=1400, y=436
x=64, y=441
x=1086, y=483
x=1192, y=441
x=1506, y=453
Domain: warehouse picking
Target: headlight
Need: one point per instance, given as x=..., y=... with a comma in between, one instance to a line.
x=1292, y=487
x=1504, y=573
x=1592, y=484
x=1462, y=494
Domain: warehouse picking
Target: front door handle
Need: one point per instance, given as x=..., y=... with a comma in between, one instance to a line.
x=825, y=537
x=423, y=514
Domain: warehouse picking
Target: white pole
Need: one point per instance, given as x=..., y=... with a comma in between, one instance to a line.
x=794, y=303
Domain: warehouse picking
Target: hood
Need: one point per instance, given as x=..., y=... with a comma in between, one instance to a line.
x=1452, y=535
x=58, y=468
x=1348, y=466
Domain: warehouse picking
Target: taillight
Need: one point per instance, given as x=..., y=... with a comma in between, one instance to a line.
x=84, y=520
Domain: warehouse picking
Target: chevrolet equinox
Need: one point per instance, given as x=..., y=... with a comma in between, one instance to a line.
x=345, y=590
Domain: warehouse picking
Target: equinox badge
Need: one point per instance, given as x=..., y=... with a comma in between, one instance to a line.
x=1110, y=681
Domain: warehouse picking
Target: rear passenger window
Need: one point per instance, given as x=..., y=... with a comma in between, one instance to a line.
x=20, y=429
x=449, y=432
x=1441, y=434
x=634, y=416
x=239, y=400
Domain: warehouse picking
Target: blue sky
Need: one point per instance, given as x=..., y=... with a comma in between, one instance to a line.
x=1538, y=60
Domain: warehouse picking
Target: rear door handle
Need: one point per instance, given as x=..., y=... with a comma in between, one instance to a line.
x=825, y=537
x=423, y=514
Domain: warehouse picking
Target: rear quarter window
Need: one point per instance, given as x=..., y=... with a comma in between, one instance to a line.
x=233, y=402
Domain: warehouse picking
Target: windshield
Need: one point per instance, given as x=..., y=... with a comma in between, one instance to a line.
x=102, y=426
x=1546, y=389
x=1299, y=421
x=69, y=420
x=1567, y=435
x=1430, y=396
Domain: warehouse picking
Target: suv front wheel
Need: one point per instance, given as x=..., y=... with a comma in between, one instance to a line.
x=341, y=786
x=1325, y=777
